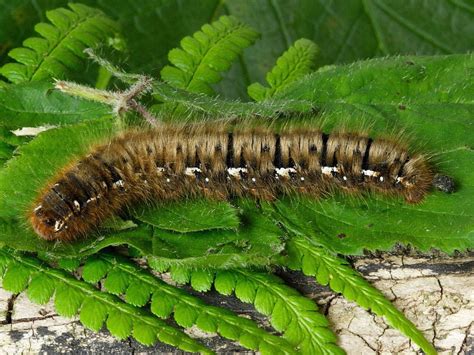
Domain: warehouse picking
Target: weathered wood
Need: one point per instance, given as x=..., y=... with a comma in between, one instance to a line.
x=437, y=294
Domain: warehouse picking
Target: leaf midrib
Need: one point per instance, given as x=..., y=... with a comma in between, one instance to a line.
x=77, y=25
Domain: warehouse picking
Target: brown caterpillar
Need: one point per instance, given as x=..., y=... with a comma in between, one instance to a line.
x=175, y=162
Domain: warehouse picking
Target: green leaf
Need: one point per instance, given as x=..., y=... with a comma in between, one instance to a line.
x=97, y=305
x=367, y=295
x=291, y=313
x=69, y=264
x=185, y=315
x=245, y=290
x=144, y=333
x=225, y=282
x=60, y=48
x=201, y=280
x=137, y=293
x=41, y=288
x=94, y=270
x=37, y=104
x=93, y=314
x=212, y=50
x=297, y=61
x=162, y=305
x=207, y=323
x=190, y=310
x=16, y=278
x=67, y=301
x=347, y=32
x=116, y=282
x=119, y=324
x=423, y=96
x=180, y=275
x=190, y=215
x=254, y=243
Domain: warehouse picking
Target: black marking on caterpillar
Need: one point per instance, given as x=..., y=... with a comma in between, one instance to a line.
x=173, y=162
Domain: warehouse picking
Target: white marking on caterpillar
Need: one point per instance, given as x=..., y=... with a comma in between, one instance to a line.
x=118, y=183
x=77, y=205
x=37, y=208
x=58, y=225
x=285, y=172
x=328, y=170
x=236, y=172
x=192, y=171
x=370, y=173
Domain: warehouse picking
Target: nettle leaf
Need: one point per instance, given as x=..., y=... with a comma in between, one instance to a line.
x=202, y=57
x=60, y=48
x=38, y=104
x=255, y=242
x=422, y=96
x=329, y=269
x=211, y=107
x=297, y=61
x=96, y=307
x=190, y=215
x=189, y=310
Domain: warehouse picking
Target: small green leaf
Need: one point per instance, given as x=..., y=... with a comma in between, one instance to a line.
x=162, y=305
x=116, y=281
x=119, y=324
x=16, y=278
x=297, y=61
x=138, y=293
x=95, y=270
x=180, y=275
x=281, y=317
x=225, y=282
x=69, y=264
x=229, y=331
x=201, y=280
x=207, y=323
x=184, y=315
x=67, y=300
x=245, y=290
x=264, y=301
x=41, y=288
x=93, y=314
x=144, y=333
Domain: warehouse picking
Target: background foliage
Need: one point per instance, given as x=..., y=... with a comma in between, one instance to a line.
x=198, y=241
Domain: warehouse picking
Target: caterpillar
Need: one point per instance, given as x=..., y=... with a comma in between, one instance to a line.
x=173, y=162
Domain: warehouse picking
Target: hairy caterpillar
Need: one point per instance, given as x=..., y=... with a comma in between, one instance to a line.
x=219, y=162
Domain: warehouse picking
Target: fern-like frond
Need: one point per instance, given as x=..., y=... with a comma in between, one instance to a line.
x=296, y=62
x=72, y=296
x=60, y=48
x=139, y=287
x=291, y=313
x=210, y=51
x=313, y=260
